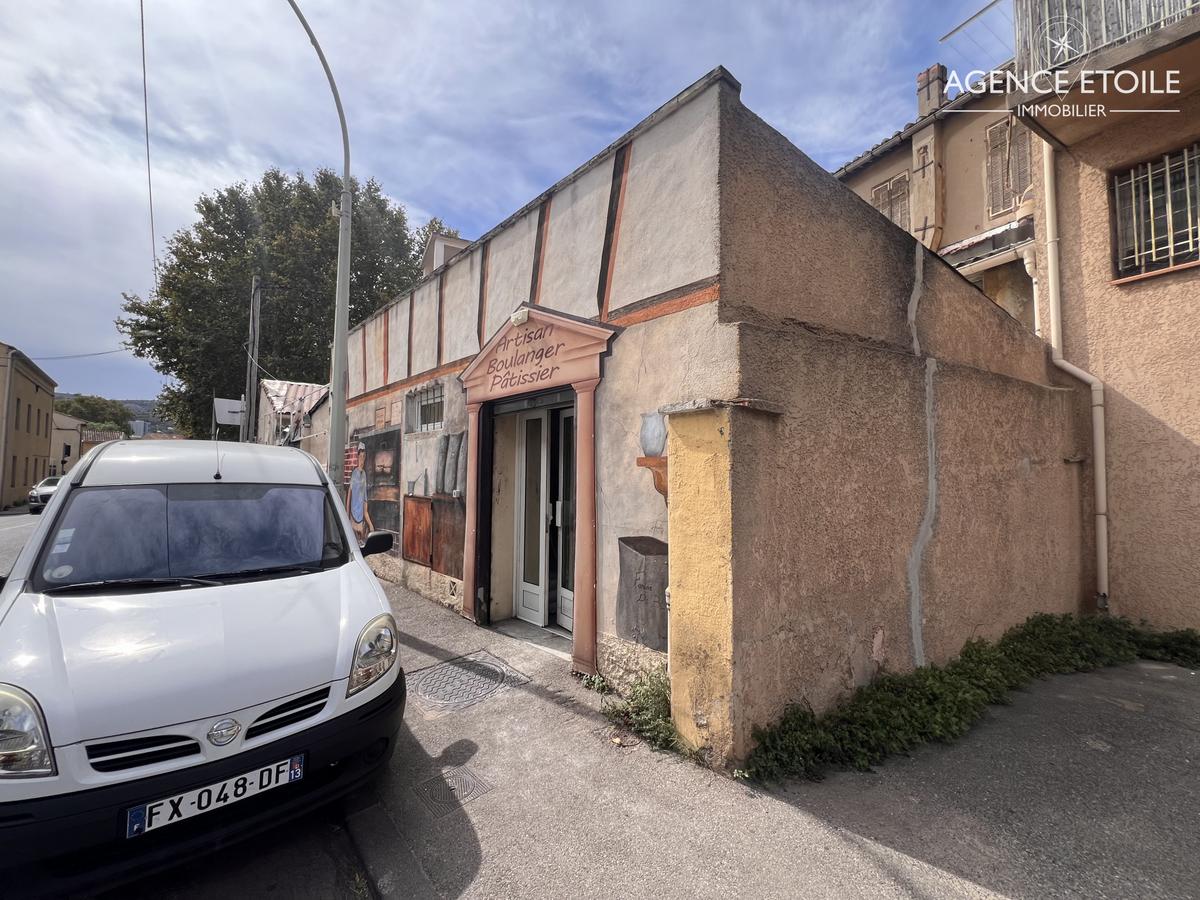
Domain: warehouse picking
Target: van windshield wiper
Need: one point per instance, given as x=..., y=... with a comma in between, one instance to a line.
x=294, y=569
x=165, y=581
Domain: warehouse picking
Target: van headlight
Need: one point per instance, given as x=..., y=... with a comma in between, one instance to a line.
x=24, y=742
x=374, y=654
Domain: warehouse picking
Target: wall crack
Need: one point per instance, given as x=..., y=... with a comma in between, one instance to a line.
x=914, y=299
x=925, y=532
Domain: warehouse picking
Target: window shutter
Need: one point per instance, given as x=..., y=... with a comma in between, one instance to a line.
x=879, y=198
x=998, y=198
x=1020, y=163
x=899, y=203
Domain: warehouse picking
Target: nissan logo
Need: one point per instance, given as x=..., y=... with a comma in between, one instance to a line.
x=223, y=732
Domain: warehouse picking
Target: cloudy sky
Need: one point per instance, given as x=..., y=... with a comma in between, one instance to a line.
x=465, y=110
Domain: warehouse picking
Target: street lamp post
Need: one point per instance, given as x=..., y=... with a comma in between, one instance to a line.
x=341, y=310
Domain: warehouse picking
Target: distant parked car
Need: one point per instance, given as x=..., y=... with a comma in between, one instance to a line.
x=192, y=650
x=42, y=492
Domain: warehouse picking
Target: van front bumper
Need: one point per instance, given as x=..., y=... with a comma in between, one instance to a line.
x=64, y=843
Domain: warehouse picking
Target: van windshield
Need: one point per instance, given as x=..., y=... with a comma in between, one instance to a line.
x=141, y=532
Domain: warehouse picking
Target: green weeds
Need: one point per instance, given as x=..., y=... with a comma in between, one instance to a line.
x=896, y=713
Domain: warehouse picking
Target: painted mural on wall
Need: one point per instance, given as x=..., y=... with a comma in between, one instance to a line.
x=373, y=488
x=380, y=495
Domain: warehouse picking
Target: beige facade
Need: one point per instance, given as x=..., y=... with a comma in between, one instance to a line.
x=1139, y=335
x=314, y=435
x=968, y=185
x=1126, y=283
x=65, y=443
x=864, y=465
x=26, y=425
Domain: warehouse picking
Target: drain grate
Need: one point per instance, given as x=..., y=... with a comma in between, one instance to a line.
x=458, y=683
x=443, y=794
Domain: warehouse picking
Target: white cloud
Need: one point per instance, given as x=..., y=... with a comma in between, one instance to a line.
x=463, y=110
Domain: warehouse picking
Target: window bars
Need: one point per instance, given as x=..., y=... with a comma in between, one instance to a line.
x=426, y=408
x=1157, y=208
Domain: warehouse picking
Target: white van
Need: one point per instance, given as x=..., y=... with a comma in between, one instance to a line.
x=192, y=648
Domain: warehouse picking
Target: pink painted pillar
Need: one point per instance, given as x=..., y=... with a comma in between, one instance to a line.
x=472, y=525
x=583, y=650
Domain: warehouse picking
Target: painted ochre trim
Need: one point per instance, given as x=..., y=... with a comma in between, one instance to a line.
x=412, y=300
x=441, y=316
x=450, y=368
x=481, y=311
x=717, y=75
x=612, y=228
x=539, y=251
x=670, y=302
x=667, y=303
x=387, y=349
x=586, y=339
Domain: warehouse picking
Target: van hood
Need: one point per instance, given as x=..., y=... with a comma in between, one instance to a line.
x=110, y=664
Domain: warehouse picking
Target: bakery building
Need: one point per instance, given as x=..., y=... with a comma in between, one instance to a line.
x=699, y=405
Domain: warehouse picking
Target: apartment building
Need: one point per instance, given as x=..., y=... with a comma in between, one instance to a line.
x=65, y=443
x=26, y=424
x=961, y=178
x=1121, y=205
x=1098, y=183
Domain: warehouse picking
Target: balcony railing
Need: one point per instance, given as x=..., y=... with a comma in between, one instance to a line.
x=1051, y=34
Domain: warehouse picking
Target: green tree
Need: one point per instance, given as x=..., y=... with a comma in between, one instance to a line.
x=96, y=411
x=194, y=328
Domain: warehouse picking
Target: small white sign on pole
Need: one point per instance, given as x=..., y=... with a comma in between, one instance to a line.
x=227, y=412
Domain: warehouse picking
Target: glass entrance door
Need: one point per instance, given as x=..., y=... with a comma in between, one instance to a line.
x=533, y=517
x=564, y=517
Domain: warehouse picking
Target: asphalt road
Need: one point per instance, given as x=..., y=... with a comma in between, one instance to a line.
x=14, y=531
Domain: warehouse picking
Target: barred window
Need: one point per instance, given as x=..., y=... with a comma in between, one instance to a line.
x=891, y=199
x=1158, y=213
x=1009, y=172
x=426, y=408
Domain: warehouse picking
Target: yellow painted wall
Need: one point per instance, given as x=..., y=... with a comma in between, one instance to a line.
x=699, y=520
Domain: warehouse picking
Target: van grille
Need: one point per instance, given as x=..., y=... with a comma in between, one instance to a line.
x=295, y=710
x=116, y=756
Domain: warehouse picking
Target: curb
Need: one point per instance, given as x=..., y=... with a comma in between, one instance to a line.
x=387, y=855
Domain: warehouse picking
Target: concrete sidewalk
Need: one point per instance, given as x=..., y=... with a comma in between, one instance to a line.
x=563, y=811
x=568, y=813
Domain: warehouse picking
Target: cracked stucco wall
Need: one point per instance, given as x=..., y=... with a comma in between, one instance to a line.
x=913, y=493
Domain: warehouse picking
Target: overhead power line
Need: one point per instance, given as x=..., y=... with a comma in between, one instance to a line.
x=79, y=355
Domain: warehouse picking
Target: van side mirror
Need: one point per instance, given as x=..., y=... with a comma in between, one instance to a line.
x=377, y=542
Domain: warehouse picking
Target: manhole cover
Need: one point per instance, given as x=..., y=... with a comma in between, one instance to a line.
x=458, y=683
x=445, y=793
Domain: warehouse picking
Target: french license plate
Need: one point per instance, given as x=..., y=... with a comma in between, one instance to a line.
x=169, y=810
